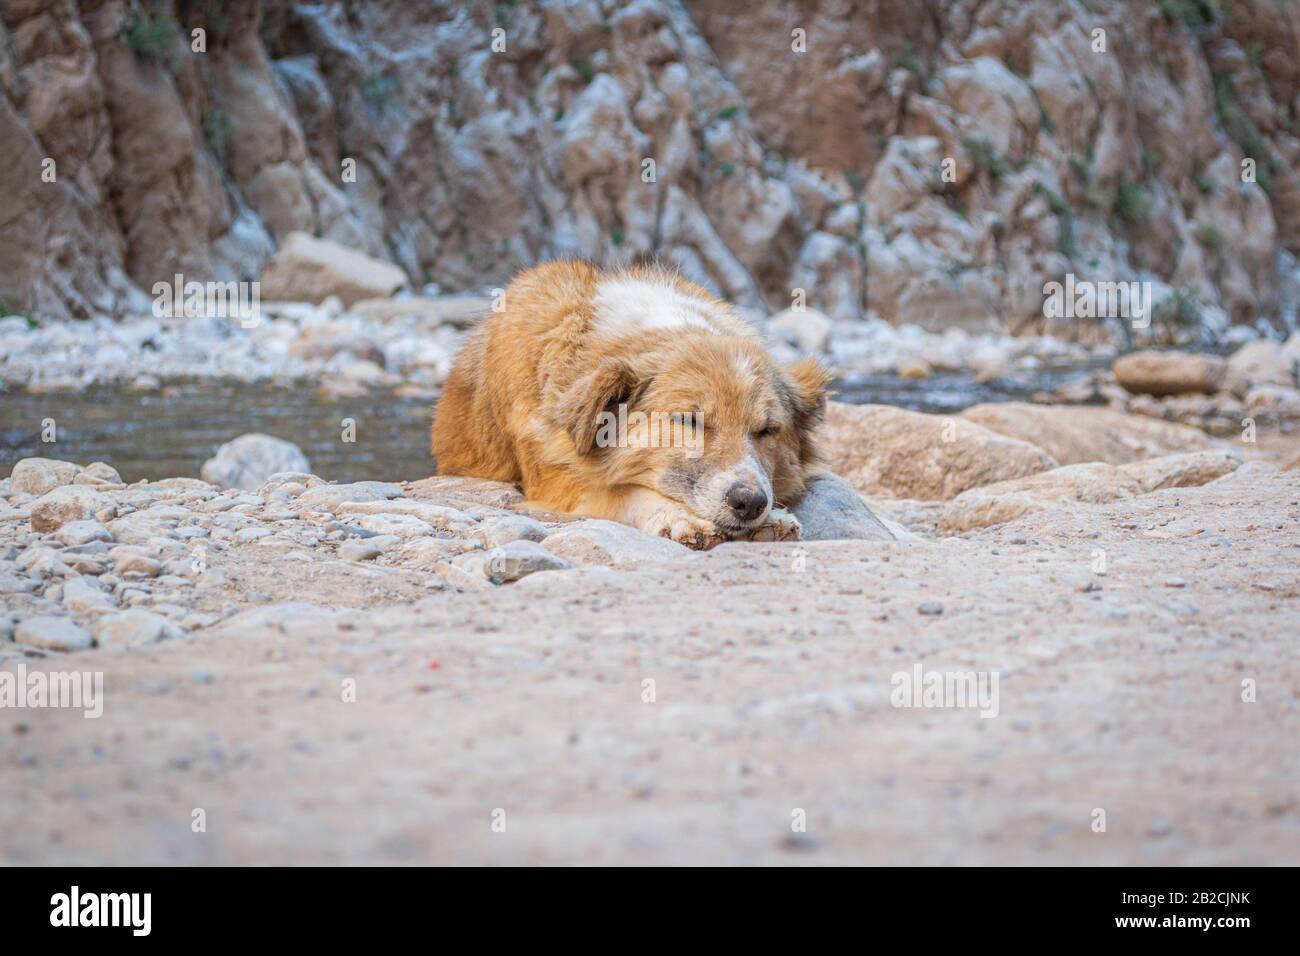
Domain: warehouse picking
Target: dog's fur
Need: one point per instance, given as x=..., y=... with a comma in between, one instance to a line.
x=524, y=401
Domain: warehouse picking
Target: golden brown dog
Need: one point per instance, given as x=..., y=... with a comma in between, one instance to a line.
x=637, y=396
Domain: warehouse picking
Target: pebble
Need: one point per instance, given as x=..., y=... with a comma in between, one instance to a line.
x=929, y=608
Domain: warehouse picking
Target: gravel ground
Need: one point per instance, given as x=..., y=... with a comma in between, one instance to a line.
x=514, y=724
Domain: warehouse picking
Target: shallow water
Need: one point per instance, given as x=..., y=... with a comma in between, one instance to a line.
x=161, y=435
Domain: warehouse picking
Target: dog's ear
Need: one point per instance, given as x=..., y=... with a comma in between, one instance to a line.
x=808, y=381
x=612, y=383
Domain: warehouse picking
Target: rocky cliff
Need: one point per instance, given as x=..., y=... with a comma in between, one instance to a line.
x=929, y=162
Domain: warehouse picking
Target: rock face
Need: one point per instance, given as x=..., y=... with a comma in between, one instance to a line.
x=1091, y=483
x=882, y=450
x=1073, y=434
x=794, y=146
x=1170, y=373
x=249, y=460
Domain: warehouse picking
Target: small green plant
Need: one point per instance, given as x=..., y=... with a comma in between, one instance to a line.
x=378, y=89
x=151, y=36
x=1132, y=203
x=984, y=156
x=1208, y=235
x=727, y=168
x=559, y=114
x=616, y=236
x=1242, y=130
x=1193, y=14
x=1054, y=199
x=216, y=130
x=1080, y=167
x=1179, y=308
x=907, y=59
x=583, y=68
x=727, y=112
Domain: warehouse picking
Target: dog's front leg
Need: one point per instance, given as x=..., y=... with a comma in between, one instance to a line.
x=657, y=515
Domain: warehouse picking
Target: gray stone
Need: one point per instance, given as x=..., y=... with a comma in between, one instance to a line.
x=519, y=559
x=363, y=550
x=14, y=584
x=832, y=510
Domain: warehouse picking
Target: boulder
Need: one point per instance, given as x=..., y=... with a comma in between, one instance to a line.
x=892, y=452
x=249, y=460
x=1076, y=434
x=1262, y=362
x=68, y=503
x=831, y=510
x=1170, y=373
x=306, y=269
x=36, y=476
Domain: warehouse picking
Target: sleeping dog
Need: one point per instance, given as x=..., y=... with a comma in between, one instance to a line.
x=637, y=396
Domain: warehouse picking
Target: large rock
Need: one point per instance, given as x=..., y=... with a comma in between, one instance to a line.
x=1090, y=483
x=831, y=510
x=249, y=460
x=306, y=269
x=887, y=451
x=36, y=476
x=69, y=503
x=1262, y=362
x=1076, y=434
x=1170, y=373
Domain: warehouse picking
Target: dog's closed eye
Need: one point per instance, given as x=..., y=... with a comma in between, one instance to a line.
x=768, y=430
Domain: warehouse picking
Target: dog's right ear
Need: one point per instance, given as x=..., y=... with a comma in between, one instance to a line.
x=612, y=383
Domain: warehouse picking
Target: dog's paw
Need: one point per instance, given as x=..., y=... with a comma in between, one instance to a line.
x=685, y=528
x=780, y=526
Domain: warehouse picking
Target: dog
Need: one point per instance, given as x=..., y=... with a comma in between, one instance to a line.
x=637, y=396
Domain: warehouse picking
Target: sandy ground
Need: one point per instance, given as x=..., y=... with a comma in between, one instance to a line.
x=511, y=725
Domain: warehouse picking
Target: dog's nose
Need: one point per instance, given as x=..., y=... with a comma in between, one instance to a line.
x=746, y=501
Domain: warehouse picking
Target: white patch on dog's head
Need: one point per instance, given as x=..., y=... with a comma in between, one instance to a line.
x=627, y=305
